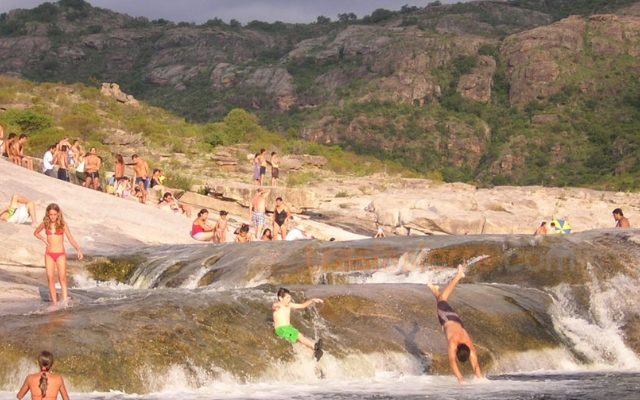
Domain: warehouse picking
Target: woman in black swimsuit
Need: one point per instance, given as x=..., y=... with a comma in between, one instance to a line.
x=280, y=218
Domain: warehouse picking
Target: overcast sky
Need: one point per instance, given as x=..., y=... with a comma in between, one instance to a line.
x=244, y=11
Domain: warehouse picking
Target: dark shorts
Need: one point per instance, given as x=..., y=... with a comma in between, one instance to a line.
x=92, y=175
x=263, y=170
x=63, y=175
x=145, y=181
x=446, y=313
x=275, y=173
x=50, y=172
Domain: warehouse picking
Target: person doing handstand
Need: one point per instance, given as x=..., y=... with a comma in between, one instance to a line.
x=282, y=321
x=460, y=344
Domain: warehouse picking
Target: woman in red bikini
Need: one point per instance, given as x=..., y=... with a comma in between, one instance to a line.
x=55, y=256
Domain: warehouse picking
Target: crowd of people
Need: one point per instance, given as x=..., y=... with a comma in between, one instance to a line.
x=562, y=227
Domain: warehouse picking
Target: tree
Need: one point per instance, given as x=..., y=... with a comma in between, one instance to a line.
x=322, y=20
x=347, y=17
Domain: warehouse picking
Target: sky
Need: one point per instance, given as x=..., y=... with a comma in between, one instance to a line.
x=200, y=11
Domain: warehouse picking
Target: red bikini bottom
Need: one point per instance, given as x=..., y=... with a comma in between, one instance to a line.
x=54, y=256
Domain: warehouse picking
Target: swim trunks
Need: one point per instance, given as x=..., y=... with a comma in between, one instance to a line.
x=288, y=333
x=263, y=170
x=257, y=218
x=92, y=175
x=275, y=172
x=18, y=215
x=446, y=313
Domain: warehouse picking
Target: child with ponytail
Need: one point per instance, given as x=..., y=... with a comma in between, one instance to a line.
x=44, y=385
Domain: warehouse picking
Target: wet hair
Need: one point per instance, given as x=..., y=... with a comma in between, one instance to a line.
x=47, y=221
x=278, y=198
x=119, y=159
x=202, y=212
x=618, y=211
x=462, y=353
x=282, y=292
x=45, y=361
x=223, y=213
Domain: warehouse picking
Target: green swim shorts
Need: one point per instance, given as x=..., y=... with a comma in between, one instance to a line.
x=288, y=333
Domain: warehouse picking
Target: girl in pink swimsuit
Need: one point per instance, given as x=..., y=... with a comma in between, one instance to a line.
x=55, y=256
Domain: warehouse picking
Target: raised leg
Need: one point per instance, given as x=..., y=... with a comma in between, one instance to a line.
x=452, y=285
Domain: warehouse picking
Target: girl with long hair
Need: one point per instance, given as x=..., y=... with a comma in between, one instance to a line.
x=45, y=384
x=201, y=230
x=55, y=256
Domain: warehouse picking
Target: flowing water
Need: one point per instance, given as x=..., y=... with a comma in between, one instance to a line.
x=552, y=318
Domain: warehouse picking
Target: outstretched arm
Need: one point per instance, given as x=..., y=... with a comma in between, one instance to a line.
x=473, y=358
x=453, y=362
x=306, y=303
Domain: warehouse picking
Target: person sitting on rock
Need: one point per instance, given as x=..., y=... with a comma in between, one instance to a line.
x=20, y=211
x=621, y=220
x=242, y=234
x=201, y=230
x=170, y=203
x=542, y=229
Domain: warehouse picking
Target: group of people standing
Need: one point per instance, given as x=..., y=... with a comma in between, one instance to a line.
x=562, y=226
x=260, y=164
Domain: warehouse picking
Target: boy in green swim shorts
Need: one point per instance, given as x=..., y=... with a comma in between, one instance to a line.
x=282, y=321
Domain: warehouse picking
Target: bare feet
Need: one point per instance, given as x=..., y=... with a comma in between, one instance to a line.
x=461, y=270
x=433, y=287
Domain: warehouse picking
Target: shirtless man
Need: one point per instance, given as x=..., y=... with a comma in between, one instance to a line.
x=141, y=169
x=92, y=164
x=20, y=210
x=282, y=321
x=263, y=165
x=280, y=219
x=460, y=344
x=257, y=209
x=18, y=153
x=220, y=230
x=621, y=220
x=8, y=147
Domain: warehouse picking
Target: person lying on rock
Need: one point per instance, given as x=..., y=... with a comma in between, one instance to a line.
x=20, y=211
x=282, y=321
x=460, y=345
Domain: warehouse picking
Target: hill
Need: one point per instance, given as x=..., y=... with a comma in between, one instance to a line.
x=491, y=92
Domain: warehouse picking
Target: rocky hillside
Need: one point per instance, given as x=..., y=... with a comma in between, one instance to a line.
x=494, y=92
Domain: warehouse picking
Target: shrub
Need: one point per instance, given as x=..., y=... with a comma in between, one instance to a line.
x=177, y=181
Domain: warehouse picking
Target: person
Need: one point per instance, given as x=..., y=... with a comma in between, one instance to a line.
x=380, y=233
x=280, y=219
x=140, y=194
x=460, y=345
x=119, y=168
x=242, y=234
x=19, y=211
x=44, y=385
x=92, y=164
x=542, y=229
x=275, y=168
x=266, y=235
x=263, y=165
x=76, y=152
x=220, y=230
x=621, y=220
x=141, y=169
x=170, y=203
x=157, y=180
x=1, y=140
x=200, y=229
x=18, y=153
x=55, y=256
x=60, y=160
x=297, y=234
x=256, y=169
x=47, y=162
x=282, y=321
x=123, y=187
x=257, y=209
x=7, y=150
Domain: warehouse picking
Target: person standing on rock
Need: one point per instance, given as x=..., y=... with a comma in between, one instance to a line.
x=92, y=164
x=282, y=321
x=141, y=170
x=621, y=220
x=460, y=345
x=257, y=210
x=256, y=169
x=263, y=165
x=47, y=162
x=55, y=256
x=280, y=219
x=220, y=230
x=44, y=385
x=275, y=168
x=542, y=229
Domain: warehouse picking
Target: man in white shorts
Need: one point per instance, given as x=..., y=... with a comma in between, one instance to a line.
x=20, y=211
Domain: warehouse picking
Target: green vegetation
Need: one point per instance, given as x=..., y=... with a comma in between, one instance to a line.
x=563, y=8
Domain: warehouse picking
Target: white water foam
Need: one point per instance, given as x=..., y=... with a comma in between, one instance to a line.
x=598, y=336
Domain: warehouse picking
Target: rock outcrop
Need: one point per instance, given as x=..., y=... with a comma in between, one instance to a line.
x=113, y=90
